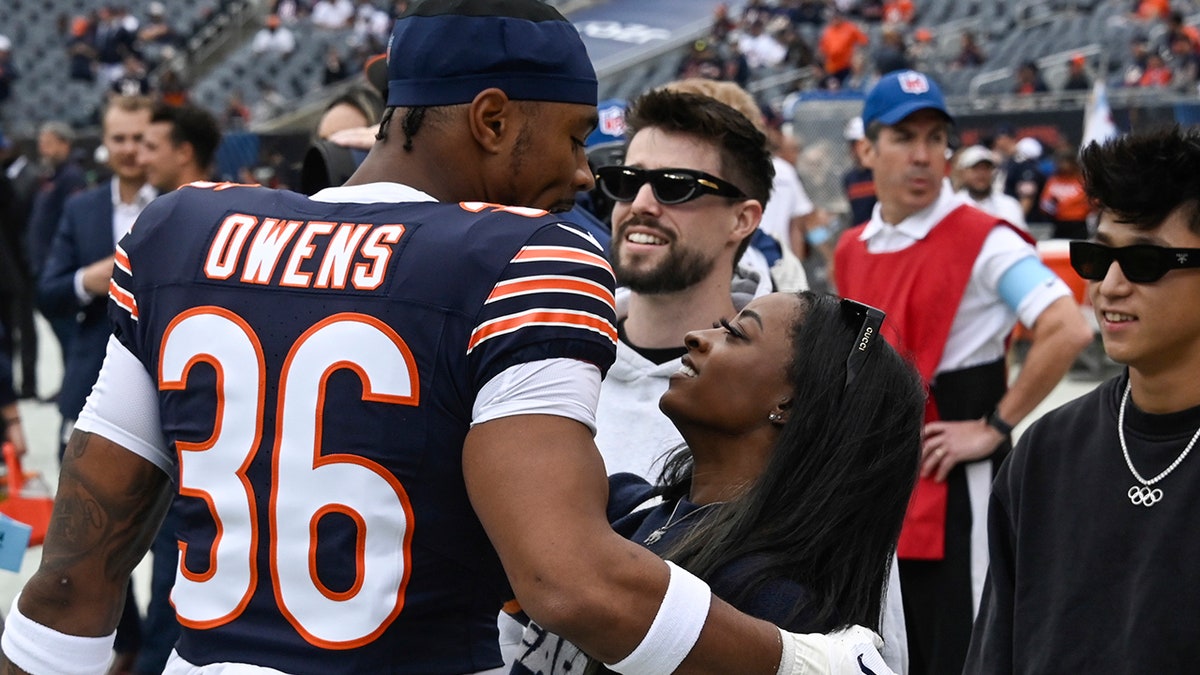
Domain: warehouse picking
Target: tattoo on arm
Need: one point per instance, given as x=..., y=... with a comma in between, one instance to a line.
x=106, y=512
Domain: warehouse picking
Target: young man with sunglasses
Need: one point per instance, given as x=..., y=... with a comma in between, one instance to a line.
x=1091, y=516
x=953, y=281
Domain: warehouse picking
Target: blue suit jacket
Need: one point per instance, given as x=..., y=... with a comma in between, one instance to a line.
x=85, y=235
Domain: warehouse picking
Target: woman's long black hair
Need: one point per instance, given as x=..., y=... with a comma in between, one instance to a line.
x=826, y=511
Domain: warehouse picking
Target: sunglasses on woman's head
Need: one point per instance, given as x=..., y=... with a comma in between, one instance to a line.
x=670, y=186
x=1141, y=264
x=867, y=320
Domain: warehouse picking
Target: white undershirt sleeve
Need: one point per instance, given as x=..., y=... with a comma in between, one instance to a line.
x=123, y=407
x=564, y=387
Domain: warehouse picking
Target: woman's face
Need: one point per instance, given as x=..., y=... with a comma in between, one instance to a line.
x=733, y=376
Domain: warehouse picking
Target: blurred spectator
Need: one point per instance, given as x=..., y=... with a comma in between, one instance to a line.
x=114, y=41
x=977, y=166
x=1177, y=28
x=81, y=50
x=970, y=54
x=1024, y=179
x=859, y=181
x=898, y=12
x=236, y=116
x=61, y=178
x=703, y=60
x=1063, y=199
x=133, y=80
x=799, y=52
x=172, y=90
x=1184, y=64
x=923, y=52
x=332, y=14
x=722, y=26
x=1003, y=142
x=837, y=44
x=1139, y=54
x=862, y=74
x=1157, y=73
x=1029, y=79
x=789, y=212
x=16, y=286
x=273, y=38
x=892, y=53
x=760, y=48
x=335, y=68
x=8, y=70
x=1077, y=74
x=157, y=39
x=372, y=26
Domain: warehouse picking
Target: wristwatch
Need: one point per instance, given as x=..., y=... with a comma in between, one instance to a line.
x=996, y=422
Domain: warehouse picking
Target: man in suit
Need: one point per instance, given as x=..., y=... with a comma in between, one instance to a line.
x=60, y=178
x=74, y=280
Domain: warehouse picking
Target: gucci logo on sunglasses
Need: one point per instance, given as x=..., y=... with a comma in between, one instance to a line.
x=868, y=320
x=670, y=186
x=1141, y=264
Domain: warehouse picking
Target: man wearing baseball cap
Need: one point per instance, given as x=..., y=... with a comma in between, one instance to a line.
x=957, y=280
x=977, y=169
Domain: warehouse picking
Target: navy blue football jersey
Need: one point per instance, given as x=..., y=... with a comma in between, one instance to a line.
x=317, y=365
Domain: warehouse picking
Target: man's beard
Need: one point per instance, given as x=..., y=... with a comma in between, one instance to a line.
x=681, y=269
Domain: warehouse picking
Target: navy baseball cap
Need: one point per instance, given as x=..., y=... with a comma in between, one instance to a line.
x=899, y=94
x=444, y=52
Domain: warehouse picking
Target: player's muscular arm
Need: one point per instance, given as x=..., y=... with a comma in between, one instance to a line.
x=109, y=504
x=538, y=485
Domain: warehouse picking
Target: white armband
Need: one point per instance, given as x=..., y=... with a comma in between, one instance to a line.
x=852, y=651
x=675, y=629
x=41, y=650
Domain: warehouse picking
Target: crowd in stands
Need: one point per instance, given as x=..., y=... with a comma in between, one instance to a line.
x=849, y=44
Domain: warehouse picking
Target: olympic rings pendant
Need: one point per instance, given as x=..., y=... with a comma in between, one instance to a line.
x=1144, y=495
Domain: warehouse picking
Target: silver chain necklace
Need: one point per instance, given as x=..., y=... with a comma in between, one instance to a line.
x=1144, y=495
x=658, y=534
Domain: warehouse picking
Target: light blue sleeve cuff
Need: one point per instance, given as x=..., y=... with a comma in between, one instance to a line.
x=1021, y=279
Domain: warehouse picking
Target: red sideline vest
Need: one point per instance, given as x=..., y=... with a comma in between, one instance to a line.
x=920, y=288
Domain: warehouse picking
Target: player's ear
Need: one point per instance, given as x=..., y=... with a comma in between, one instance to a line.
x=491, y=117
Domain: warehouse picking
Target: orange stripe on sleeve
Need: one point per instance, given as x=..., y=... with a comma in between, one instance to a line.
x=123, y=298
x=542, y=317
x=551, y=284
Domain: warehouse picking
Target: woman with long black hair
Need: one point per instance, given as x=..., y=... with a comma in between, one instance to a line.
x=802, y=433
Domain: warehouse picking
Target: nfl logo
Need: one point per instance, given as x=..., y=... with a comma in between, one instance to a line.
x=612, y=121
x=913, y=83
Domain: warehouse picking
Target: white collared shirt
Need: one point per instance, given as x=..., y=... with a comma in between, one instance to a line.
x=983, y=320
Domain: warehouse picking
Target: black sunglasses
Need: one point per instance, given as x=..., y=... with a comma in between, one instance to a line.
x=1141, y=264
x=867, y=320
x=670, y=186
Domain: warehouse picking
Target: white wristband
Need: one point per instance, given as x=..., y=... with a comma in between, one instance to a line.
x=40, y=650
x=675, y=629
